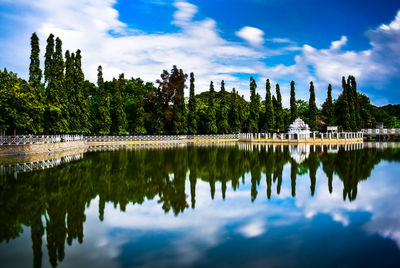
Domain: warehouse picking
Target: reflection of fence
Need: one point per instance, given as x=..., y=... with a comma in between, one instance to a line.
x=381, y=131
x=159, y=137
x=44, y=164
x=294, y=137
x=329, y=148
x=38, y=139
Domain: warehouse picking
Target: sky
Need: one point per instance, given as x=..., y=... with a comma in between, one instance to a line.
x=283, y=40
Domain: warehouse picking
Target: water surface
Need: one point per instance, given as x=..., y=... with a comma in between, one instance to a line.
x=206, y=206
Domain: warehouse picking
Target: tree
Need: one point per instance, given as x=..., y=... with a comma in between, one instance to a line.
x=254, y=107
x=269, y=108
x=211, y=122
x=70, y=87
x=177, y=84
x=56, y=114
x=293, y=107
x=83, y=91
x=328, y=112
x=140, y=129
x=35, y=73
x=312, y=112
x=119, y=123
x=104, y=119
x=351, y=103
x=192, y=122
x=223, y=126
x=20, y=106
x=354, y=94
x=278, y=109
x=234, y=118
x=342, y=108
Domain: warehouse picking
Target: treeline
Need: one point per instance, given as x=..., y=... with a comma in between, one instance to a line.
x=60, y=100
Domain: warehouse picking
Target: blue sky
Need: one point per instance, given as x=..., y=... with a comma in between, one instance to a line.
x=232, y=40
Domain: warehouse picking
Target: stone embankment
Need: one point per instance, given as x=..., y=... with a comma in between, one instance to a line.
x=41, y=148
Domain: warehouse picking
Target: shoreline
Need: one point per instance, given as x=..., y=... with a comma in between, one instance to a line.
x=24, y=150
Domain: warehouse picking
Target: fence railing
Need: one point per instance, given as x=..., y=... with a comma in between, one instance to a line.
x=310, y=136
x=38, y=139
x=381, y=131
x=159, y=137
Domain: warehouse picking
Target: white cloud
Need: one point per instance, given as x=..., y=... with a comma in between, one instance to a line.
x=338, y=44
x=252, y=35
x=185, y=12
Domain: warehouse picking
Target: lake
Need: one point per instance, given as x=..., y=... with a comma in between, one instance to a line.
x=228, y=205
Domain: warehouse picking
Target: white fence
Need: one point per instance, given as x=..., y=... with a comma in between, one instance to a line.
x=159, y=137
x=381, y=131
x=38, y=139
x=311, y=136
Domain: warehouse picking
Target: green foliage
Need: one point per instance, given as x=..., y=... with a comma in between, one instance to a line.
x=313, y=110
x=234, y=116
x=192, y=116
x=328, y=113
x=223, y=125
x=254, y=107
x=293, y=107
x=103, y=121
x=269, y=108
x=20, y=106
x=211, y=117
x=56, y=113
x=177, y=83
x=139, y=128
x=342, y=108
x=35, y=73
x=278, y=110
x=119, y=122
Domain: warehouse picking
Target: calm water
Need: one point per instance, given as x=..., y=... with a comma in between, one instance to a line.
x=208, y=206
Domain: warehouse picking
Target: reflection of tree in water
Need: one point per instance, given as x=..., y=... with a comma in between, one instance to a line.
x=60, y=195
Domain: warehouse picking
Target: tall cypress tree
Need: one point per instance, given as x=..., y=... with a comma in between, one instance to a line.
x=278, y=109
x=118, y=116
x=327, y=108
x=56, y=117
x=211, y=124
x=293, y=106
x=177, y=84
x=73, y=104
x=140, y=129
x=223, y=126
x=269, y=108
x=120, y=108
x=254, y=107
x=48, y=61
x=59, y=66
x=312, y=112
x=353, y=91
x=35, y=73
x=82, y=94
x=158, y=121
x=104, y=119
x=192, y=122
x=234, y=118
x=343, y=107
x=350, y=99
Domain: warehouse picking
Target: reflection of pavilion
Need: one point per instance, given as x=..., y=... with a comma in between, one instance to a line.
x=299, y=153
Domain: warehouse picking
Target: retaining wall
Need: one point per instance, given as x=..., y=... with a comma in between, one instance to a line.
x=24, y=149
